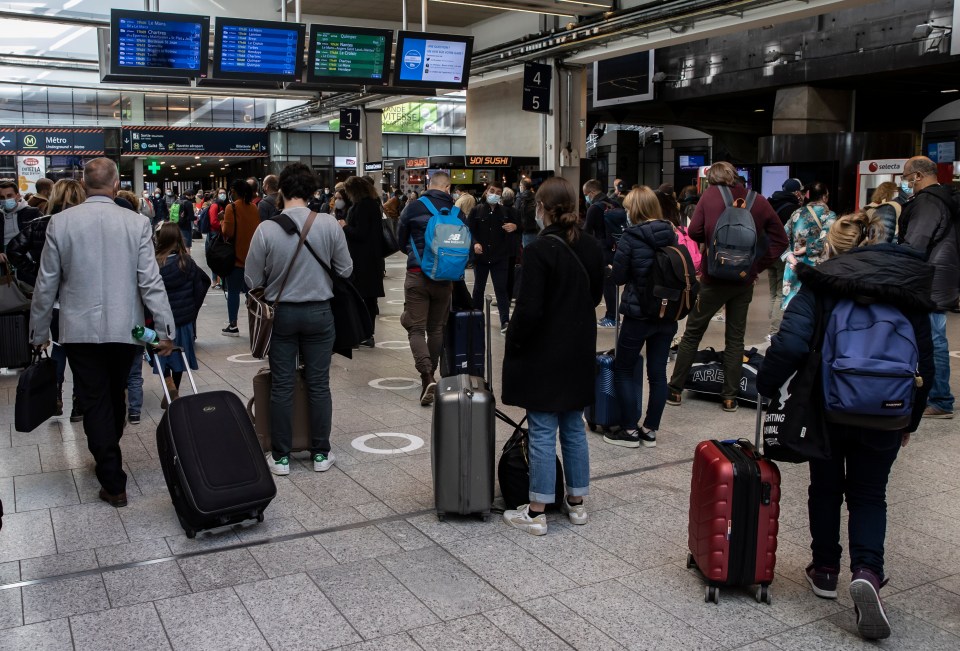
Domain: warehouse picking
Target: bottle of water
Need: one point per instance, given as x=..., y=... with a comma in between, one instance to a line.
x=145, y=335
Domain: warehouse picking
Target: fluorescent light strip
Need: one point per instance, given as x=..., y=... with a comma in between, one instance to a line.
x=495, y=8
x=588, y=4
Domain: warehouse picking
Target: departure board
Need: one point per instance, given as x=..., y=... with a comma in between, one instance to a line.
x=258, y=50
x=349, y=55
x=151, y=43
x=433, y=60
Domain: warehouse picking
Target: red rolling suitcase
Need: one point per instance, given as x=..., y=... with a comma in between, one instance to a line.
x=734, y=516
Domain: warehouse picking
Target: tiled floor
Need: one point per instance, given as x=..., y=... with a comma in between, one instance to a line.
x=355, y=559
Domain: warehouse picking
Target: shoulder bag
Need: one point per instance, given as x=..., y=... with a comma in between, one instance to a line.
x=390, y=243
x=12, y=296
x=222, y=254
x=260, y=312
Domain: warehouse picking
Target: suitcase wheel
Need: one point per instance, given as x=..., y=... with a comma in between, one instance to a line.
x=260, y=516
x=690, y=562
x=485, y=517
x=190, y=533
x=441, y=516
x=763, y=595
x=711, y=594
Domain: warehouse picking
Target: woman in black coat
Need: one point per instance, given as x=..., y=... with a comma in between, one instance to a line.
x=548, y=365
x=632, y=263
x=364, y=233
x=861, y=458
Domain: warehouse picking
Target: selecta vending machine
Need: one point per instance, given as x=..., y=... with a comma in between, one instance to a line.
x=872, y=173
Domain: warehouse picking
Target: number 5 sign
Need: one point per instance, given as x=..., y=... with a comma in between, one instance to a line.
x=537, y=79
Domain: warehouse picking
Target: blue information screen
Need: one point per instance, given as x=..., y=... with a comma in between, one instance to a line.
x=249, y=49
x=161, y=43
x=432, y=61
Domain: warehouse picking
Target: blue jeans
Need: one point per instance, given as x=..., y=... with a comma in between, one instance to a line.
x=527, y=239
x=543, y=454
x=859, y=468
x=305, y=330
x=135, y=386
x=634, y=334
x=940, y=396
x=235, y=285
x=187, y=237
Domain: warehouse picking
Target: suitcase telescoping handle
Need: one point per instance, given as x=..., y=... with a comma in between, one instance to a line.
x=758, y=441
x=488, y=300
x=163, y=382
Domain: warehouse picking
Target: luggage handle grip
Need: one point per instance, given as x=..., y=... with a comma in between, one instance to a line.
x=163, y=381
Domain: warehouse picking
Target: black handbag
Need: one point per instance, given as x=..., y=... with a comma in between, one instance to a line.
x=36, y=393
x=222, y=253
x=513, y=469
x=794, y=426
x=390, y=243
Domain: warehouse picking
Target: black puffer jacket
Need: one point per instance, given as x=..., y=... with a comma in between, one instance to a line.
x=635, y=255
x=893, y=274
x=180, y=289
x=928, y=224
x=24, y=250
x=785, y=203
x=414, y=220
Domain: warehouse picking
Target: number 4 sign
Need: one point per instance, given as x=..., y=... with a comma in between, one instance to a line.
x=537, y=80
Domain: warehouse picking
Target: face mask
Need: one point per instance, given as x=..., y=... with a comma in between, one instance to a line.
x=169, y=193
x=540, y=225
x=587, y=200
x=339, y=204
x=326, y=190
x=9, y=205
x=156, y=194
x=222, y=196
x=905, y=188
x=493, y=199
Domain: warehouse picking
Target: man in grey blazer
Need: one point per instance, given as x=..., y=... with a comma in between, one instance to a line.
x=99, y=261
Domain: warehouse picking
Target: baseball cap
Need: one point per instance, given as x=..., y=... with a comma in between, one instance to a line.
x=792, y=185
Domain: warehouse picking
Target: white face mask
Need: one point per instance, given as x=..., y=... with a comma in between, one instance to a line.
x=339, y=204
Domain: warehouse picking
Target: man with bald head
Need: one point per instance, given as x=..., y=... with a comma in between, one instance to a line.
x=268, y=207
x=99, y=260
x=929, y=224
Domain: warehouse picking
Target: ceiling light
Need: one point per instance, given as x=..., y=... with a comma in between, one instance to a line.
x=219, y=160
x=163, y=162
x=196, y=158
x=922, y=31
x=950, y=90
x=588, y=4
x=496, y=7
x=759, y=110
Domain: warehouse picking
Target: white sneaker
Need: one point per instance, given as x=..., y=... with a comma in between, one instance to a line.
x=520, y=518
x=323, y=462
x=576, y=513
x=281, y=467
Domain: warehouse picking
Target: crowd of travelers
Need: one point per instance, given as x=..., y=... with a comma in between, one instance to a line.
x=901, y=250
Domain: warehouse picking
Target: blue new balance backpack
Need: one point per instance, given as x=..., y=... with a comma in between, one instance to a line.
x=447, y=244
x=870, y=363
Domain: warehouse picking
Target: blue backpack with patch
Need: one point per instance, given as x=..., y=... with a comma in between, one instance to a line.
x=446, y=246
x=870, y=364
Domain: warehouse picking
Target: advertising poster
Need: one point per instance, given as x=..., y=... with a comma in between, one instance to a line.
x=30, y=169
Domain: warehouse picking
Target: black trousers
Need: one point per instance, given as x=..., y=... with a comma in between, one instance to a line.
x=498, y=271
x=100, y=374
x=373, y=308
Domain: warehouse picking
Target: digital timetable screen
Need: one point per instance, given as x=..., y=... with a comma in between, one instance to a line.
x=433, y=60
x=349, y=55
x=258, y=50
x=156, y=44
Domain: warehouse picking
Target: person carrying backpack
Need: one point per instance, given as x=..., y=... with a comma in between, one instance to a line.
x=605, y=220
x=661, y=288
x=182, y=214
x=428, y=226
x=732, y=222
x=806, y=233
x=871, y=302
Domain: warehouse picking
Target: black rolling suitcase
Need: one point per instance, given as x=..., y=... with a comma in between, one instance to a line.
x=211, y=460
x=463, y=344
x=15, y=340
x=463, y=450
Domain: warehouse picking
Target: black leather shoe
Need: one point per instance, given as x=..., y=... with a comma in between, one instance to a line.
x=118, y=501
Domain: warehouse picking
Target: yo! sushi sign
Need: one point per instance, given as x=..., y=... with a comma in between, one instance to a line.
x=29, y=170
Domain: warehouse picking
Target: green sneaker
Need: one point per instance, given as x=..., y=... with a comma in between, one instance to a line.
x=323, y=462
x=278, y=466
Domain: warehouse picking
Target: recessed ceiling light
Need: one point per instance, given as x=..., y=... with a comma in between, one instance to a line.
x=951, y=90
x=759, y=110
x=196, y=158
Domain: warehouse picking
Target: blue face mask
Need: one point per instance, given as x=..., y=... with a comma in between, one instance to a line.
x=493, y=199
x=9, y=205
x=588, y=200
x=905, y=188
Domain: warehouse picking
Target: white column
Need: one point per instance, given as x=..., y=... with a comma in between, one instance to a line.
x=370, y=147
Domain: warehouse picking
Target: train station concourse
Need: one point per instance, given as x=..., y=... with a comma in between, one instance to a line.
x=313, y=311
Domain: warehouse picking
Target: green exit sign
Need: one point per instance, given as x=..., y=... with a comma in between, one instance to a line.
x=154, y=167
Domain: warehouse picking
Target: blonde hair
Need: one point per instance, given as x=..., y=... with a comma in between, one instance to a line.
x=885, y=192
x=852, y=231
x=133, y=199
x=66, y=193
x=642, y=204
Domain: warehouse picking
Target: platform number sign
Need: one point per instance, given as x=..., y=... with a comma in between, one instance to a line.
x=537, y=80
x=350, y=124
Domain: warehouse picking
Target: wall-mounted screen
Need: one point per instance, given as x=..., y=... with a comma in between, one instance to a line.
x=623, y=80
x=432, y=61
x=349, y=55
x=156, y=44
x=772, y=178
x=461, y=176
x=692, y=161
x=258, y=50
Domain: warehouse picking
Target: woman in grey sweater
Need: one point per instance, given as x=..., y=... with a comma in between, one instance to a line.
x=303, y=322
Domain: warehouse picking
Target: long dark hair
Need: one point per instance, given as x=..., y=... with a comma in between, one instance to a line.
x=169, y=240
x=357, y=188
x=243, y=190
x=669, y=208
x=559, y=200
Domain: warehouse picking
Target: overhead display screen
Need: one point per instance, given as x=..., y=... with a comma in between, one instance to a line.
x=349, y=55
x=258, y=50
x=433, y=60
x=156, y=44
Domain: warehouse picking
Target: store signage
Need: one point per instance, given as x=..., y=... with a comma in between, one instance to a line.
x=537, y=81
x=191, y=141
x=350, y=124
x=883, y=166
x=373, y=167
x=51, y=141
x=488, y=161
x=345, y=161
x=416, y=163
x=30, y=169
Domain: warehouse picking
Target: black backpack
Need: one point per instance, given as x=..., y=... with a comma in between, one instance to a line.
x=614, y=223
x=203, y=221
x=672, y=285
x=732, y=251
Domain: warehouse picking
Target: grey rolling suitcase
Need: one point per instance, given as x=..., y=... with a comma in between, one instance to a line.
x=463, y=450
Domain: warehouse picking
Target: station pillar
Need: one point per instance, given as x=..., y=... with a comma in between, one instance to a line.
x=370, y=147
x=565, y=128
x=137, y=176
x=806, y=110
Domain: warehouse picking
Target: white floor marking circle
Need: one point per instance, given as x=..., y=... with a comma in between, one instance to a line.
x=396, y=289
x=395, y=301
x=383, y=382
x=360, y=443
x=393, y=345
x=237, y=359
x=391, y=318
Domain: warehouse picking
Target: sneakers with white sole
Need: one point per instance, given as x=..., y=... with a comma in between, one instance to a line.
x=520, y=518
x=323, y=462
x=279, y=466
x=872, y=622
x=576, y=513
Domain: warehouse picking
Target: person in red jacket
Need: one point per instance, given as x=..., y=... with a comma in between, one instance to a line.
x=715, y=293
